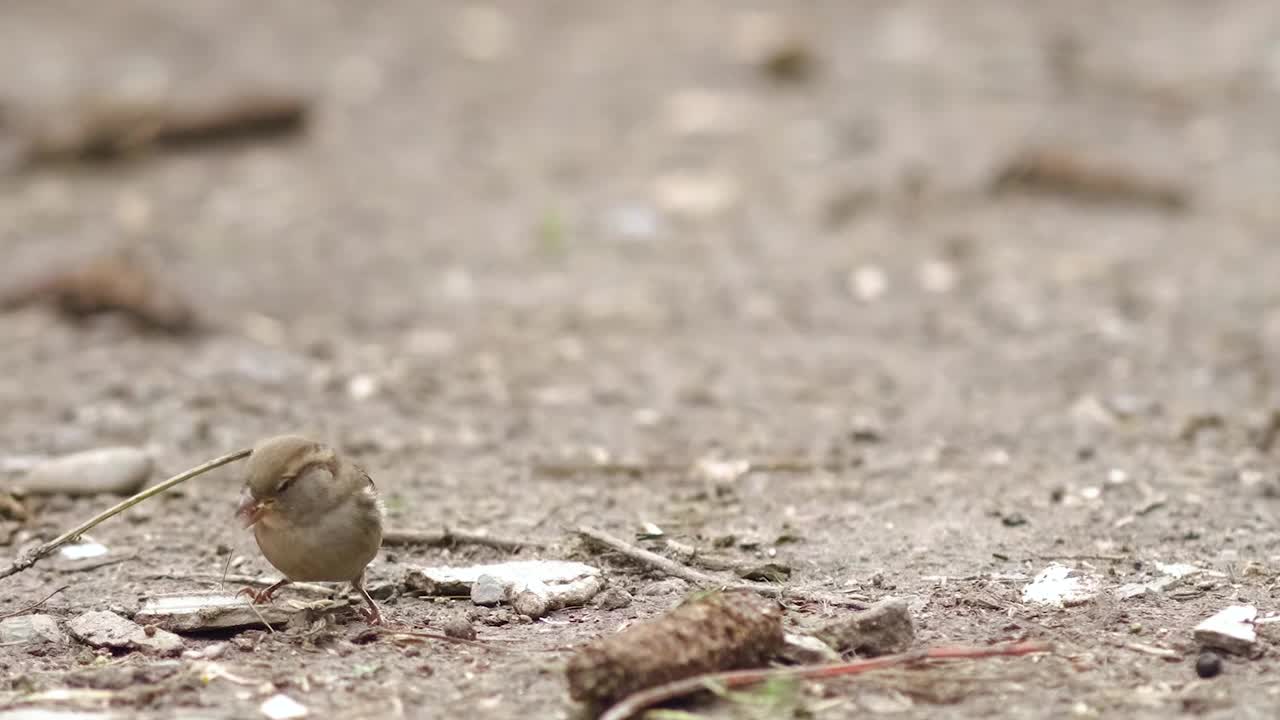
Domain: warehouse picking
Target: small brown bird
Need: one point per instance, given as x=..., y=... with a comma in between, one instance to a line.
x=315, y=514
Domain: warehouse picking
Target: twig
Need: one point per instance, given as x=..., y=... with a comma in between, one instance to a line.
x=43, y=551
x=33, y=605
x=631, y=706
x=446, y=638
x=675, y=569
x=452, y=536
x=1085, y=556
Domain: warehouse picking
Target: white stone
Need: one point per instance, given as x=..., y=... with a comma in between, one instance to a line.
x=1060, y=586
x=282, y=707
x=1231, y=629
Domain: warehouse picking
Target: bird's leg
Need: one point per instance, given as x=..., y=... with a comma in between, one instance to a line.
x=264, y=595
x=372, y=614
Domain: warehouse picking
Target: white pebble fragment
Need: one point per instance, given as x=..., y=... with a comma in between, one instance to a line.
x=868, y=283
x=83, y=550
x=119, y=470
x=1060, y=586
x=1231, y=629
x=282, y=707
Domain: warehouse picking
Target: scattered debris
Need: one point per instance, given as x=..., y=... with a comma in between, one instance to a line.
x=1208, y=664
x=635, y=704
x=806, y=650
x=101, y=628
x=1061, y=586
x=282, y=707
x=1231, y=630
x=793, y=61
x=774, y=572
x=31, y=629
x=536, y=587
x=696, y=577
x=11, y=508
x=449, y=537
x=1264, y=437
x=1163, y=653
x=117, y=282
x=1171, y=575
x=868, y=283
x=200, y=613
x=116, y=470
x=1198, y=423
x=111, y=131
x=882, y=629
x=1064, y=172
x=721, y=631
x=669, y=586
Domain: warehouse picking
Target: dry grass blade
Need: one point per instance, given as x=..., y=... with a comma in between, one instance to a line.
x=43, y=551
x=33, y=605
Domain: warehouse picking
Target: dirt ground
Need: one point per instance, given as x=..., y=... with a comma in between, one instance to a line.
x=567, y=232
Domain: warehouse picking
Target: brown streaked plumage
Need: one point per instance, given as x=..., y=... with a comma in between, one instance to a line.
x=315, y=514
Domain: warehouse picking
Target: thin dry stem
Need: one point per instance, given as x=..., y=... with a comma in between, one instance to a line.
x=43, y=551
x=452, y=536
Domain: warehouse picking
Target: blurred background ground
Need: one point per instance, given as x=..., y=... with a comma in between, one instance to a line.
x=655, y=232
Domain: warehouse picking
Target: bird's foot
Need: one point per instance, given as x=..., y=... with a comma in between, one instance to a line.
x=257, y=597
x=372, y=615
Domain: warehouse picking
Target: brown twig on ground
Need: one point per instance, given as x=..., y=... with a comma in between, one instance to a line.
x=452, y=536
x=701, y=579
x=1066, y=173
x=33, y=605
x=111, y=131
x=43, y=551
x=633, y=705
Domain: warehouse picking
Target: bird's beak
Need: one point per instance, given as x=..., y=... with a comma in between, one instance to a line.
x=250, y=510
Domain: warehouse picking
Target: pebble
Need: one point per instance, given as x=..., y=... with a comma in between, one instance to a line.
x=1061, y=586
x=488, y=591
x=613, y=599
x=882, y=629
x=459, y=627
x=103, y=629
x=282, y=707
x=119, y=470
x=1208, y=665
x=806, y=650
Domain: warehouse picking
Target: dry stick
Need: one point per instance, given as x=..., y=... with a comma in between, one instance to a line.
x=696, y=577
x=631, y=706
x=33, y=605
x=453, y=536
x=34, y=556
x=446, y=638
x=242, y=580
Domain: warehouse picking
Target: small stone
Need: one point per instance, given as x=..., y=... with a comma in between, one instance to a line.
x=103, y=629
x=882, y=629
x=868, y=283
x=1209, y=664
x=613, y=599
x=1061, y=586
x=1231, y=629
x=670, y=586
x=694, y=194
x=1014, y=520
x=30, y=629
x=119, y=470
x=488, y=590
x=459, y=627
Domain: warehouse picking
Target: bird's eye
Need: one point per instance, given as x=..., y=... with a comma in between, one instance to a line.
x=285, y=483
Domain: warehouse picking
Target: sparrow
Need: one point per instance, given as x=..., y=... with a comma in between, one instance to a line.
x=316, y=515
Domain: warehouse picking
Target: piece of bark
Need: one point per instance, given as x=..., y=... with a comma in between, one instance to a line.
x=202, y=613
x=106, y=629
x=882, y=629
x=722, y=631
